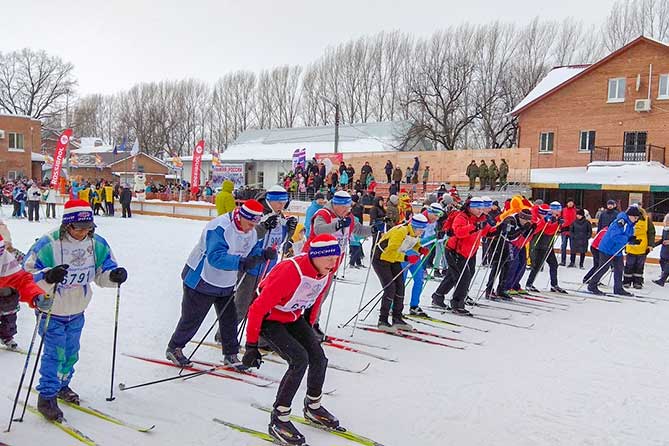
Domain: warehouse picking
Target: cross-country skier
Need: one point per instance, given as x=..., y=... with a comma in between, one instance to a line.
x=549, y=224
x=68, y=260
x=400, y=244
x=294, y=285
x=228, y=245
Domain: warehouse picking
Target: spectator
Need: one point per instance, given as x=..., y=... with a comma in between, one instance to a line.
x=318, y=182
x=377, y=215
x=357, y=210
x=351, y=173
x=568, y=217
x=472, y=173
x=392, y=211
x=364, y=171
x=316, y=204
x=608, y=215
x=483, y=174
x=225, y=201
x=397, y=179
x=408, y=174
x=581, y=231
x=389, y=171
x=342, y=168
x=503, y=173
x=343, y=178
x=664, y=253
x=493, y=174
x=125, y=200
x=34, y=196
x=50, y=198
x=416, y=165
x=426, y=176
x=108, y=199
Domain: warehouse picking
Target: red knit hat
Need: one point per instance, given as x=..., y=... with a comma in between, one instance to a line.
x=78, y=212
x=544, y=209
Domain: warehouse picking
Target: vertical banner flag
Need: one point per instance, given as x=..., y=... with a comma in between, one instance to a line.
x=59, y=156
x=197, y=163
x=299, y=158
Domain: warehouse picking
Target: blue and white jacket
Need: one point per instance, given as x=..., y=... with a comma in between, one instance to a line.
x=615, y=239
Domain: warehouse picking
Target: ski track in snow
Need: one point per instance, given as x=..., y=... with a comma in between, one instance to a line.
x=592, y=375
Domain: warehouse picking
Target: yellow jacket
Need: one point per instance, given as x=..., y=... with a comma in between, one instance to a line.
x=83, y=193
x=109, y=194
x=395, y=243
x=640, y=232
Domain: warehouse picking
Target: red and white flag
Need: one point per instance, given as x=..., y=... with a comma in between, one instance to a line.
x=59, y=156
x=197, y=163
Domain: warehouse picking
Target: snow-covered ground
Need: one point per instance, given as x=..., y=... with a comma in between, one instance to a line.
x=595, y=374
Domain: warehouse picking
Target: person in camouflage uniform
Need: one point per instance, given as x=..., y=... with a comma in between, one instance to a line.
x=483, y=174
x=503, y=173
x=493, y=174
x=472, y=173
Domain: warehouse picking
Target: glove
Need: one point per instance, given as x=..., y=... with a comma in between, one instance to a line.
x=553, y=219
x=413, y=259
x=271, y=222
x=118, y=275
x=252, y=356
x=56, y=274
x=490, y=220
x=248, y=263
x=43, y=303
x=424, y=250
x=481, y=224
x=269, y=254
x=633, y=241
x=560, y=221
x=291, y=224
x=548, y=218
x=343, y=223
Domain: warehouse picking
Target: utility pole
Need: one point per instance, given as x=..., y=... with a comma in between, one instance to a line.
x=336, y=124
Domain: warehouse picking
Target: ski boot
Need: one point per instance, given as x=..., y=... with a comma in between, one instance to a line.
x=233, y=362
x=384, y=325
x=490, y=295
x=558, y=289
x=461, y=311
x=48, y=407
x=68, y=395
x=281, y=428
x=177, y=357
x=659, y=282
x=531, y=288
x=504, y=295
x=596, y=291
x=10, y=343
x=417, y=311
x=317, y=414
x=400, y=324
x=437, y=274
x=623, y=293
x=438, y=301
x=637, y=286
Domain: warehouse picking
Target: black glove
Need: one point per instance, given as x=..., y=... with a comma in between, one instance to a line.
x=491, y=221
x=553, y=219
x=247, y=263
x=118, y=275
x=481, y=224
x=561, y=221
x=272, y=222
x=269, y=254
x=252, y=356
x=343, y=223
x=56, y=274
x=291, y=224
x=633, y=241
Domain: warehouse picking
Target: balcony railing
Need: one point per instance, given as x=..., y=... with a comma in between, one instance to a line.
x=639, y=152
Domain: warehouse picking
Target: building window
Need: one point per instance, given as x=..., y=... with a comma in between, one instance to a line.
x=663, y=92
x=587, y=143
x=11, y=175
x=546, y=142
x=617, y=90
x=16, y=141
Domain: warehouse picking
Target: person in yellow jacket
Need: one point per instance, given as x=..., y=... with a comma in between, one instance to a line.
x=84, y=194
x=108, y=202
x=97, y=201
x=644, y=233
x=400, y=244
x=225, y=201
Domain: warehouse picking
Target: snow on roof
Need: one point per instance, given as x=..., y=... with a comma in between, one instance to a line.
x=10, y=115
x=606, y=172
x=556, y=77
x=89, y=145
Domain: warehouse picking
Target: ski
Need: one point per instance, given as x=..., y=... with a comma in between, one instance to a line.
x=65, y=427
x=406, y=335
x=533, y=298
x=229, y=368
x=442, y=321
x=615, y=297
x=329, y=338
x=246, y=430
x=438, y=336
x=271, y=357
x=360, y=352
x=348, y=281
x=340, y=432
x=198, y=369
x=103, y=416
x=442, y=311
x=515, y=310
x=14, y=350
x=547, y=294
x=496, y=321
x=433, y=325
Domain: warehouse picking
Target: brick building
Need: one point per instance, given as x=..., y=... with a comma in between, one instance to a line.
x=20, y=136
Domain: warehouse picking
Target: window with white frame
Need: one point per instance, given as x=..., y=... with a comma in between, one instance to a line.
x=617, y=89
x=546, y=142
x=15, y=141
x=11, y=175
x=587, y=141
x=663, y=91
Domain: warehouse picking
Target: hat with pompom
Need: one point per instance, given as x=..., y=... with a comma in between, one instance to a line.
x=78, y=213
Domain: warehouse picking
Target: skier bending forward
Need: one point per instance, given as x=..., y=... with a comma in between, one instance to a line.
x=292, y=286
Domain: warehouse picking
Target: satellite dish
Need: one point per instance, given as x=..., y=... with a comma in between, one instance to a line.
x=638, y=81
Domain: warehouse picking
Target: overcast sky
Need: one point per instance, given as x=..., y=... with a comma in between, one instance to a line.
x=117, y=43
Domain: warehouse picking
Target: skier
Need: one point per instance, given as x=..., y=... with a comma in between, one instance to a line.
x=318, y=202
x=468, y=227
x=13, y=282
x=399, y=244
x=294, y=285
x=594, y=249
x=228, y=245
x=620, y=233
x=67, y=260
x=549, y=223
x=635, y=261
x=568, y=216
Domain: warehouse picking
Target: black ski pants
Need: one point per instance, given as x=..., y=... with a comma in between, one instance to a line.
x=110, y=208
x=499, y=265
x=538, y=255
x=392, y=280
x=194, y=308
x=618, y=266
x=125, y=207
x=633, y=271
x=296, y=343
x=33, y=210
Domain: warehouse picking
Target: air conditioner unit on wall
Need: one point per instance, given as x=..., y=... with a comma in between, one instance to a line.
x=642, y=105
x=2, y=134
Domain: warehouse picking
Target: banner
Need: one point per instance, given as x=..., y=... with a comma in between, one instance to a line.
x=197, y=163
x=232, y=172
x=329, y=160
x=299, y=158
x=59, y=156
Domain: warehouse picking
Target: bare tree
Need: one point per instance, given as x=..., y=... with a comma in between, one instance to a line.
x=628, y=19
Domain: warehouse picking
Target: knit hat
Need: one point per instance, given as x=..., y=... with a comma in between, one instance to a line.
x=487, y=202
x=580, y=212
x=251, y=210
x=544, y=209
x=476, y=203
x=319, y=196
x=556, y=206
x=612, y=203
x=525, y=214
x=394, y=199
x=633, y=211
x=78, y=213
x=324, y=245
x=276, y=193
x=435, y=208
x=341, y=198
x=418, y=221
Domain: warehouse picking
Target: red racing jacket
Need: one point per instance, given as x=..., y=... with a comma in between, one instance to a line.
x=466, y=238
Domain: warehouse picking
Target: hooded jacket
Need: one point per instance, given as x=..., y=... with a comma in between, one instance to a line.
x=617, y=236
x=225, y=201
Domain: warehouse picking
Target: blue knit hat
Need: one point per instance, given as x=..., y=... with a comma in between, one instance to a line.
x=418, y=221
x=436, y=209
x=556, y=206
x=341, y=198
x=276, y=193
x=324, y=245
x=487, y=202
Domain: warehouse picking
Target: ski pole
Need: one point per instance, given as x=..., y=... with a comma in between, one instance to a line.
x=466, y=264
x=113, y=364
x=551, y=249
x=25, y=370
x=499, y=243
x=39, y=352
x=123, y=387
x=364, y=287
x=600, y=268
x=486, y=274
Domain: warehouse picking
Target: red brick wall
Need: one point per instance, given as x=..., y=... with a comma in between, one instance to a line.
x=582, y=105
x=19, y=161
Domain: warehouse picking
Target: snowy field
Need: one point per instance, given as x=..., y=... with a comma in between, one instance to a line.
x=594, y=374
